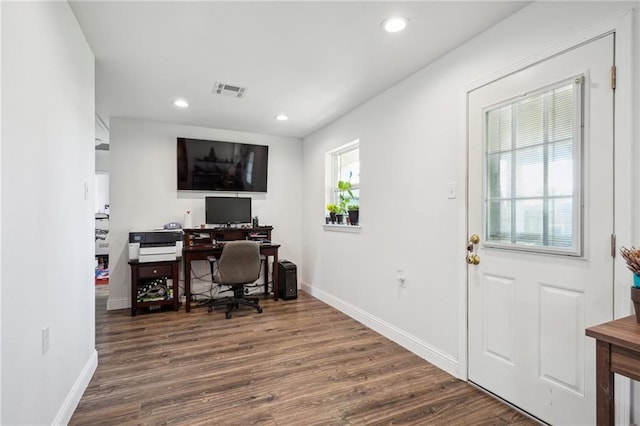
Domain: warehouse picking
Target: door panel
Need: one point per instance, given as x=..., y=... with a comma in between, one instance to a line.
x=528, y=310
x=498, y=331
x=561, y=334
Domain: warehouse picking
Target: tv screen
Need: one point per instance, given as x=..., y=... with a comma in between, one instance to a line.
x=205, y=165
x=227, y=210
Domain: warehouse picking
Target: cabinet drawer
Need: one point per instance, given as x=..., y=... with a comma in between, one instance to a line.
x=154, y=271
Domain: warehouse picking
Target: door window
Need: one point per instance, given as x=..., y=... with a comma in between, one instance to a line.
x=533, y=176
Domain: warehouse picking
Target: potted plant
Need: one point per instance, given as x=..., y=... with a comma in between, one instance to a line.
x=333, y=210
x=341, y=207
x=345, y=196
x=632, y=257
x=354, y=213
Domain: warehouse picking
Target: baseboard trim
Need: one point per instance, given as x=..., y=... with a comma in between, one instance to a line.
x=73, y=398
x=427, y=352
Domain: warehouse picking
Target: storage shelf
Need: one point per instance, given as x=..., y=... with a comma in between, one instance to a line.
x=146, y=273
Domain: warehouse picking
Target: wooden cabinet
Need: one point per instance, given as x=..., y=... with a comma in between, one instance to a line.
x=154, y=284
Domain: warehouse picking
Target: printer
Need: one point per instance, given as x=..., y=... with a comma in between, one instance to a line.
x=155, y=245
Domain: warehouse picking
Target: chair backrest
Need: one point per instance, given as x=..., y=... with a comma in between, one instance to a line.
x=239, y=262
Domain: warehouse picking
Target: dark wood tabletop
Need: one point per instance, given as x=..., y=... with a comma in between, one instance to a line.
x=623, y=332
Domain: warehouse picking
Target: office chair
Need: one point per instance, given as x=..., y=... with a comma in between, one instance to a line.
x=238, y=265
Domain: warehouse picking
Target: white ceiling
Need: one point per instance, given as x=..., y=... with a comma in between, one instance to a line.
x=313, y=61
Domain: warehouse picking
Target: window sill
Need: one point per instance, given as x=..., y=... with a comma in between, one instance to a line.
x=354, y=229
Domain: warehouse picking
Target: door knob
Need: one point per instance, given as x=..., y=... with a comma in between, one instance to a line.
x=472, y=257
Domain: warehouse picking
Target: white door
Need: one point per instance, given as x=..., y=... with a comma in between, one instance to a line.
x=541, y=201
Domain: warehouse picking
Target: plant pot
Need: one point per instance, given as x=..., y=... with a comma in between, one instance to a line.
x=333, y=217
x=340, y=218
x=635, y=298
x=354, y=216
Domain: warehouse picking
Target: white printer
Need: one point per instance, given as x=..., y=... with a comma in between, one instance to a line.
x=155, y=245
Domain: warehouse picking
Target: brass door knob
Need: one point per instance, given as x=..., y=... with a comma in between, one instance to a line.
x=472, y=257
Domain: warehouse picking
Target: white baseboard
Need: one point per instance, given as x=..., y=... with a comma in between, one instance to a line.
x=73, y=398
x=429, y=353
x=115, y=304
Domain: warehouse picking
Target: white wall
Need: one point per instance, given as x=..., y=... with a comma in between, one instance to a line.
x=412, y=144
x=102, y=161
x=0, y=216
x=101, y=192
x=633, y=193
x=47, y=221
x=144, y=191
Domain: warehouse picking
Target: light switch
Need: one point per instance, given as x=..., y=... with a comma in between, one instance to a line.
x=452, y=190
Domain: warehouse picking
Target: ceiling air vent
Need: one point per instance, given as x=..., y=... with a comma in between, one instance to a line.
x=229, y=90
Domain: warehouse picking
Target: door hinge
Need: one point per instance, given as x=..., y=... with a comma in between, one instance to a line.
x=613, y=77
x=613, y=245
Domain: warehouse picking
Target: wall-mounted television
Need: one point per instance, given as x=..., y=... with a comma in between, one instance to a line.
x=207, y=165
x=227, y=210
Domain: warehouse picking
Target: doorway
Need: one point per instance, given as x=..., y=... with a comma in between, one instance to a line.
x=101, y=211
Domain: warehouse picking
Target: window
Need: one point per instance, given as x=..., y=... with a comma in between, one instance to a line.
x=343, y=164
x=533, y=178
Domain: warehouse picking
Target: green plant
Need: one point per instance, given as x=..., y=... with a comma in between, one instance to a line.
x=333, y=208
x=345, y=195
x=353, y=207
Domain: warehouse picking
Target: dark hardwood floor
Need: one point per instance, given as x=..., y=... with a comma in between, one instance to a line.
x=300, y=362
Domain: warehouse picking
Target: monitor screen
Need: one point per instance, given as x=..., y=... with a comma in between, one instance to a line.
x=207, y=165
x=227, y=210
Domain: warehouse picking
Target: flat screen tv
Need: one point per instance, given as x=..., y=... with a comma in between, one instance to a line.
x=227, y=210
x=206, y=165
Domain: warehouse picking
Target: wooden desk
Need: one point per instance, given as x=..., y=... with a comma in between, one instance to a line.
x=201, y=252
x=617, y=351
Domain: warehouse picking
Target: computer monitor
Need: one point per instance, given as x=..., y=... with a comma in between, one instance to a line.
x=227, y=210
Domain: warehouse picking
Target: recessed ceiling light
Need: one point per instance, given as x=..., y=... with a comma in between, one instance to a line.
x=395, y=24
x=281, y=117
x=181, y=103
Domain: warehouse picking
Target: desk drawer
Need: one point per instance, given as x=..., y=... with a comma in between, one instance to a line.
x=154, y=271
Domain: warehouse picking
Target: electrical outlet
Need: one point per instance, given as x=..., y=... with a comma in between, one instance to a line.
x=45, y=339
